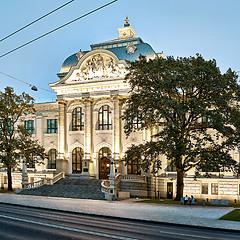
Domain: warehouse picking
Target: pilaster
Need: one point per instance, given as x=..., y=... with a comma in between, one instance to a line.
x=61, y=163
x=87, y=136
x=116, y=131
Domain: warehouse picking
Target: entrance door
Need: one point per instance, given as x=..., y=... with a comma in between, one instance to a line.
x=169, y=190
x=104, y=167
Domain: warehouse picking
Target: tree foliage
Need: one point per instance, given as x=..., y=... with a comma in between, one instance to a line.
x=194, y=108
x=15, y=140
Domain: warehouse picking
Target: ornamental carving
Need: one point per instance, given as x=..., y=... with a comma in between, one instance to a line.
x=97, y=67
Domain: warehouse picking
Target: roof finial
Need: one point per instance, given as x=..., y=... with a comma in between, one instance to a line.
x=126, y=24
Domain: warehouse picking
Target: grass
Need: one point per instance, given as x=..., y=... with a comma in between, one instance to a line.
x=169, y=201
x=232, y=216
x=5, y=191
x=159, y=201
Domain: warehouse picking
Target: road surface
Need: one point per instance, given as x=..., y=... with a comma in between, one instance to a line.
x=17, y=222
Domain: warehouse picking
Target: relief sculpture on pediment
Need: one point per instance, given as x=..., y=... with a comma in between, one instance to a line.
x=98, y=66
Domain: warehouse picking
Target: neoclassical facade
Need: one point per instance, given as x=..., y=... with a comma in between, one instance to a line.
x=83, y=127
x=82, y=130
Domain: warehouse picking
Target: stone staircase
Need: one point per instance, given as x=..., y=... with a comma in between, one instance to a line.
x=69, y=188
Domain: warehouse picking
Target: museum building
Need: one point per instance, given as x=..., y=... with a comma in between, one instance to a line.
x=83, y=129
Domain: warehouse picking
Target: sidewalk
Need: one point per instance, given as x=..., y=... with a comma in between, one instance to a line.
x=177, y=214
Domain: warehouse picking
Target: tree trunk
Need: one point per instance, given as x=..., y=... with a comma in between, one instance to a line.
x=180, y=184
x=9, y=173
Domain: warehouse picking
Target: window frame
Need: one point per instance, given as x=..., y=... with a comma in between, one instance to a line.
x=137, y=123
x=29, y=126
x=52, y=161
x=134, y=166
x=171, y=167
x=52, y=126
x=214, y=189
x=75, y=152
x=77, y=119
x=105, y=152
x=104, y=118
x=205, y=187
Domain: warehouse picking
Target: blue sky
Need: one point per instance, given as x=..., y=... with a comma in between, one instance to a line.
x=176, y=27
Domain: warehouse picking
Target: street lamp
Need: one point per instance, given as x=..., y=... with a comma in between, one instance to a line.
x=112, y=190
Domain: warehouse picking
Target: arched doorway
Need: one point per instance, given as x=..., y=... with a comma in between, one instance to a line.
x=77, y=155
x=104, y=162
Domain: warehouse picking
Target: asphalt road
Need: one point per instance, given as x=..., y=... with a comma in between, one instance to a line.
x=18, y=222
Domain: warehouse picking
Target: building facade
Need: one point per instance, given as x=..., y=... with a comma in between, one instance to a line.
x=83, y=129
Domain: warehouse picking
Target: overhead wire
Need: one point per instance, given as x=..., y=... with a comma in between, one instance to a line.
x=29, y=84
x=54, y=30
x=19, y=30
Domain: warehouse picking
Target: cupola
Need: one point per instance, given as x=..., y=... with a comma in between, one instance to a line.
x=127, y=31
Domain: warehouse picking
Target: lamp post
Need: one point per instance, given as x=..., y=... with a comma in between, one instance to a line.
x=24, y=173
x=112, y=189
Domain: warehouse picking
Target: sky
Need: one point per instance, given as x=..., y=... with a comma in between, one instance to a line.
x=176, y=27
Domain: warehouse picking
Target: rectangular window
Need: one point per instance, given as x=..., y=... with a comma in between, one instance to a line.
x=171, y=167
x=204, y=188
x=214, y=188
x=5, y=180
x=29, y=125
x=52, y=126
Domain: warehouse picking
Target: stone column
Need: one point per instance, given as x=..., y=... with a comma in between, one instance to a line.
x=87, y=136
x=116, y=131
x=61, y=163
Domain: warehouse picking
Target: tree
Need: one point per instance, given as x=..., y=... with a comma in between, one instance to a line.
x=194, y=108
x=15, y=140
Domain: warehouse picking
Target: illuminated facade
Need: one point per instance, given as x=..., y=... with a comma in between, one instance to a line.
x=82, y=130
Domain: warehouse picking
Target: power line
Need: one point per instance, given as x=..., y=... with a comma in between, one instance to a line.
x=33, y=87
x=36, y=21
x=64, y=25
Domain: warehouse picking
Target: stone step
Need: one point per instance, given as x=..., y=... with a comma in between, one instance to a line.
x=133, y=185
x=69, y=188
x=81, y=182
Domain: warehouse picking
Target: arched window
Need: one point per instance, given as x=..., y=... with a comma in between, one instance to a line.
x=77, y=119
x=104, y=118
x=134, y=166
x=77, y=156
x=52, y=156
x=105, y=152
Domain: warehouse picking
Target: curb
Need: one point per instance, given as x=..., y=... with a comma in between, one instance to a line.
x=129, y=219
